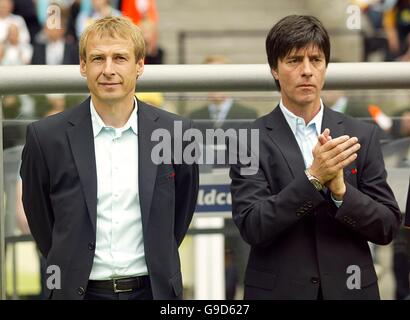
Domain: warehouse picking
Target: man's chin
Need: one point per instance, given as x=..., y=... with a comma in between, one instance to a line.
x=308, y=98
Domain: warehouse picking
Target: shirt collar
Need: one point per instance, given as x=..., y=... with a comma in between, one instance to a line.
x=98, y=123
x=293, y=119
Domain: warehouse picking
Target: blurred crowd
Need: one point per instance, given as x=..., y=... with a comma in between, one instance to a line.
x=43, y=32
x=47, y=31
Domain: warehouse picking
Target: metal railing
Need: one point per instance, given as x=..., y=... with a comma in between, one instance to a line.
x=185, y=78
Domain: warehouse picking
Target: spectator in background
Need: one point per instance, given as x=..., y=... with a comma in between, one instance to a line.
x=403, y=126
x=7, y=19
x=154, y=54
x=396, y=23
x=336, y=100
x=99, y=9
x=73, y=11
x=374, y=39
x=140, y=10
x=222, y=106
x=53, y=49
x=27, y=10
x=15, y=52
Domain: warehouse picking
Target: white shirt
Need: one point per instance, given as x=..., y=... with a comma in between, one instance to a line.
x=119, y=250
x=17, y=55
x=24, y=35
x=55, y=52
x=305, y=134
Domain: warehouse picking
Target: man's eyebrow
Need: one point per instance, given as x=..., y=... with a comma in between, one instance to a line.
x=118, y=53
x=95, y=54
x=314, y=55
x=293, y=56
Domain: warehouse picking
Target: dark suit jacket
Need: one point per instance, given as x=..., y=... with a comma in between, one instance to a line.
x=70, y=56
x=407, y=217
x=60, y=198
x=299, y=239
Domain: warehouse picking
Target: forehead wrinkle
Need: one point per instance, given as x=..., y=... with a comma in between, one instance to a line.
x=311, y=51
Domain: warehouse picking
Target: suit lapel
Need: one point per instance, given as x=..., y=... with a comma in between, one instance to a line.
x=81, y=140
x=147, y=169
x=283, y=137
x=333, y=121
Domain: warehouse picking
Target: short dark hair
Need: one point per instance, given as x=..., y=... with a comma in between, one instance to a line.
x=295, y=32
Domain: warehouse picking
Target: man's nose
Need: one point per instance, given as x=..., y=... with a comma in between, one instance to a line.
x=108, y=68
x=307, y=68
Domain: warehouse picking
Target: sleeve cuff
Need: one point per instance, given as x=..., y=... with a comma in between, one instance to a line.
x=338, y=203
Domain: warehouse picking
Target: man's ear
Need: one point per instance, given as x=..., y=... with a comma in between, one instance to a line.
x=83, y=68
x=274, y=73
x=139, y=67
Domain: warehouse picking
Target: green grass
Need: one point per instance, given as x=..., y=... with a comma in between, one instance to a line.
x=28, y=279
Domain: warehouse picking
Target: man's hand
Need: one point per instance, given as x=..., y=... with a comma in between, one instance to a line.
x=330, y=156
x=336, y=185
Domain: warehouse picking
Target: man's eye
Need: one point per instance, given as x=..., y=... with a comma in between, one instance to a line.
x=97, y=59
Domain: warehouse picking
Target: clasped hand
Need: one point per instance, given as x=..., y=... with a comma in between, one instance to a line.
x=330, y=157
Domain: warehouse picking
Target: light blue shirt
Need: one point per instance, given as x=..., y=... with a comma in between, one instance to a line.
x=219, y=113
x=119, y=250
x=306, y=134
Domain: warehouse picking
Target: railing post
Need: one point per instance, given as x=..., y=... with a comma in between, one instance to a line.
x=2, y=214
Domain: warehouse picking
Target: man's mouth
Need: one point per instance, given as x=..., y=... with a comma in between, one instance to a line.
x=306, y=85
x=109, y=84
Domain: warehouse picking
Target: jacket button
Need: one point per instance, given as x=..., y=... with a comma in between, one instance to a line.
x=80, y=291
x=314, y=280
x=91, y=245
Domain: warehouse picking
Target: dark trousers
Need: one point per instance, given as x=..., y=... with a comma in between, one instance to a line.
x=401, y=265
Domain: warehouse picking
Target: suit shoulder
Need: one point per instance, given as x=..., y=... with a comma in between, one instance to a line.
x=353, y=123
x=55, y=122
x=259, y=122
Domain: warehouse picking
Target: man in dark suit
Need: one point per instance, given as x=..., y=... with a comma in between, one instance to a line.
x=53, y=49
x=319, y=193
x=108, y=219
x=407, y=216
x=221, y=106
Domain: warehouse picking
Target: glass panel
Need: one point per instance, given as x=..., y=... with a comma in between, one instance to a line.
x=390, y=109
